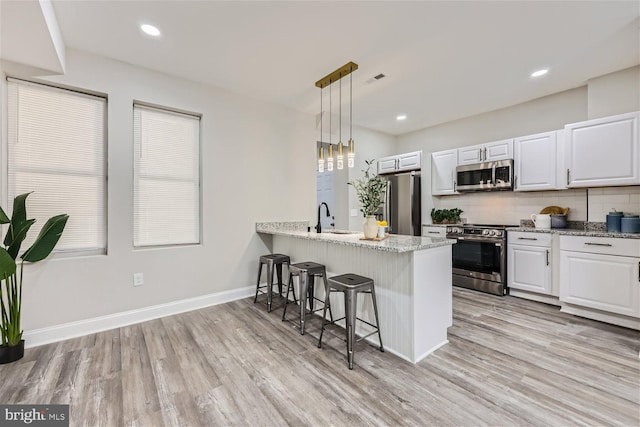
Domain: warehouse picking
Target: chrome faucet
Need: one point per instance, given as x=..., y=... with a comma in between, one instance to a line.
x=318, y=226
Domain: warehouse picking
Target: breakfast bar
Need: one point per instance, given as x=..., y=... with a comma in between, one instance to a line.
x=412, y=278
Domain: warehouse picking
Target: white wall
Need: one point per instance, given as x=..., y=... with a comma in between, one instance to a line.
x=255, y=157
x=614, y=93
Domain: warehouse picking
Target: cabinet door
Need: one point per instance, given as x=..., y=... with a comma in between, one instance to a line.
x=410, y=161
x=443, y=171
x=604, y=282
x=471, y=154
x=498, y=150
x=603, y=152
x=387, y=164
x=535, y=162
x=528, y=268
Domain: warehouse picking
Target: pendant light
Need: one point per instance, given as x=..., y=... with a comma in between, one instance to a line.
x=321, y=149
x=340, y=160
x=328, y=80
x=330, y=150
x=351, y=155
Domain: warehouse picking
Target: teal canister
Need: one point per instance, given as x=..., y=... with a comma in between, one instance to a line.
x=614, y=222
x=630, y=224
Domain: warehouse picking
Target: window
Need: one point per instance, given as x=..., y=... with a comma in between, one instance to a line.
x=166, y=189
x=56, y=149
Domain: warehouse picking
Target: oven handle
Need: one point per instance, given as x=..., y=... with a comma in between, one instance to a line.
x=498, y=242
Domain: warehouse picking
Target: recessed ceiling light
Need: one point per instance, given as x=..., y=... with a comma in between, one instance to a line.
x=150, y=29
x=401, y=117
x=540, y=73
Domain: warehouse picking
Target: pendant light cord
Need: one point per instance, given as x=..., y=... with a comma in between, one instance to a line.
x=321, y=114
x=330, y=105
x=350, y=105
x=340, y=107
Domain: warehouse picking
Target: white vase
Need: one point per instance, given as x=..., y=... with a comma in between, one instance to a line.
x=370, y=227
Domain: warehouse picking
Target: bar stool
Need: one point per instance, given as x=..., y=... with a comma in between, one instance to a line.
x=351, y=285
x=271, y=261
x=306, y=272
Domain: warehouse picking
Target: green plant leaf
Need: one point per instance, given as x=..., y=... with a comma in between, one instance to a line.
x=7, y=264
x=47, y=239
x=18, y=218
x=4, y=219
x=21, y=234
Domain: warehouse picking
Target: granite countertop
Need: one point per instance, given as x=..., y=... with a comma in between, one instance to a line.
x=576, y=232
x=394, y=243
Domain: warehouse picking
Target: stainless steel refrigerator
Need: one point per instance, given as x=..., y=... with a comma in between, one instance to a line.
x=402, y=208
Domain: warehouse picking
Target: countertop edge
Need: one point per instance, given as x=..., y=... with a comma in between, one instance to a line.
x=571, y=232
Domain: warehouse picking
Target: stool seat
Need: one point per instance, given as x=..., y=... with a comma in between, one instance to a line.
x=306, y=273
x=351, y=285
x=350, y=281
x=274, y=263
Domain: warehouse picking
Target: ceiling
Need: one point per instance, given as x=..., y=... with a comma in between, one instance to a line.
x=443, y=59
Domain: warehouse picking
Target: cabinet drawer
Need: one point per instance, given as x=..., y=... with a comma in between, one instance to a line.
x=601, y=245
x=434, y=231
x=528, y=238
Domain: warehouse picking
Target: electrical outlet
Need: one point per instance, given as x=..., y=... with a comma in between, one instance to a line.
x=138, y=279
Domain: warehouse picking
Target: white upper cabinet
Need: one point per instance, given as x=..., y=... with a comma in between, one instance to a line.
x=443, y=172
x=497, y=150
x=387, y=164
x=537, y=160
x=401, y=162
x=603, y=152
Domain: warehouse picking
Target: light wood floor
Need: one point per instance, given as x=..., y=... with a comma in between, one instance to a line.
x=509, y=362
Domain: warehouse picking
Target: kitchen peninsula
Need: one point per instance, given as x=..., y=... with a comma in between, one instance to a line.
x=412, y=278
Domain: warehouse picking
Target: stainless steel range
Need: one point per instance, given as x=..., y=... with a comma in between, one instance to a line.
x=480, y=257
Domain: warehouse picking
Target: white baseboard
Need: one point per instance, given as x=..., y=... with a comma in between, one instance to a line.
x=66, y=331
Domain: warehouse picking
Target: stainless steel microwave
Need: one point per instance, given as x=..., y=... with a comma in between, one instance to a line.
x=487, y=176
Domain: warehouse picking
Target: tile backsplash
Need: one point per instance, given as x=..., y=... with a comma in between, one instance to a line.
x=510, y=207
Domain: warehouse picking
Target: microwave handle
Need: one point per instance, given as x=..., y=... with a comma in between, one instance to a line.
x=493, y=175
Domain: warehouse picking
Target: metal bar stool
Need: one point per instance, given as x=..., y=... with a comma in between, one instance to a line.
x=351, y=285
x=306, y=272
x=271, y=261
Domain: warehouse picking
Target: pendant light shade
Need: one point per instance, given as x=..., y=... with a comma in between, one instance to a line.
x=328, y=80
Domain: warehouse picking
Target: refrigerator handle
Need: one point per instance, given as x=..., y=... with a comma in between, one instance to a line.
x=387, y=211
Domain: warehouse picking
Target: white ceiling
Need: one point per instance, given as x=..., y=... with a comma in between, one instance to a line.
x=444, y=59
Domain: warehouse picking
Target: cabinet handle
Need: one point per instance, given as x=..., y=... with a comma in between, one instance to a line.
x=547, y=256
x=480, y=153
x=485, y=154
x=515, y=181
x=527, y=238
x=454, y=186
x=598, y=244
x=433, y=232
x=567, y=176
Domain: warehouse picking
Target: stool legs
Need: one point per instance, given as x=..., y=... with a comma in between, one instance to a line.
x=350, y=304
x=375, y=312
x=271, y=270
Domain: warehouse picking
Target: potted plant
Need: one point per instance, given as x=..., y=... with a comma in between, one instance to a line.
x=370, y=190
x=446, y=216
x=12, y=346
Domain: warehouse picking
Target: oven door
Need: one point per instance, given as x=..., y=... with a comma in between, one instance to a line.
x=480, y=258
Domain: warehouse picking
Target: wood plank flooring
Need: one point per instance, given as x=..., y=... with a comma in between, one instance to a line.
x=510, y=362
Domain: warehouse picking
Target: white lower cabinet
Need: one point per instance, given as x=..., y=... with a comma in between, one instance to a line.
x=529, y=262
x=601, y=273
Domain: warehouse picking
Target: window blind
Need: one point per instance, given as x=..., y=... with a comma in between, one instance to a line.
x=166, y=177
x=56, y=149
